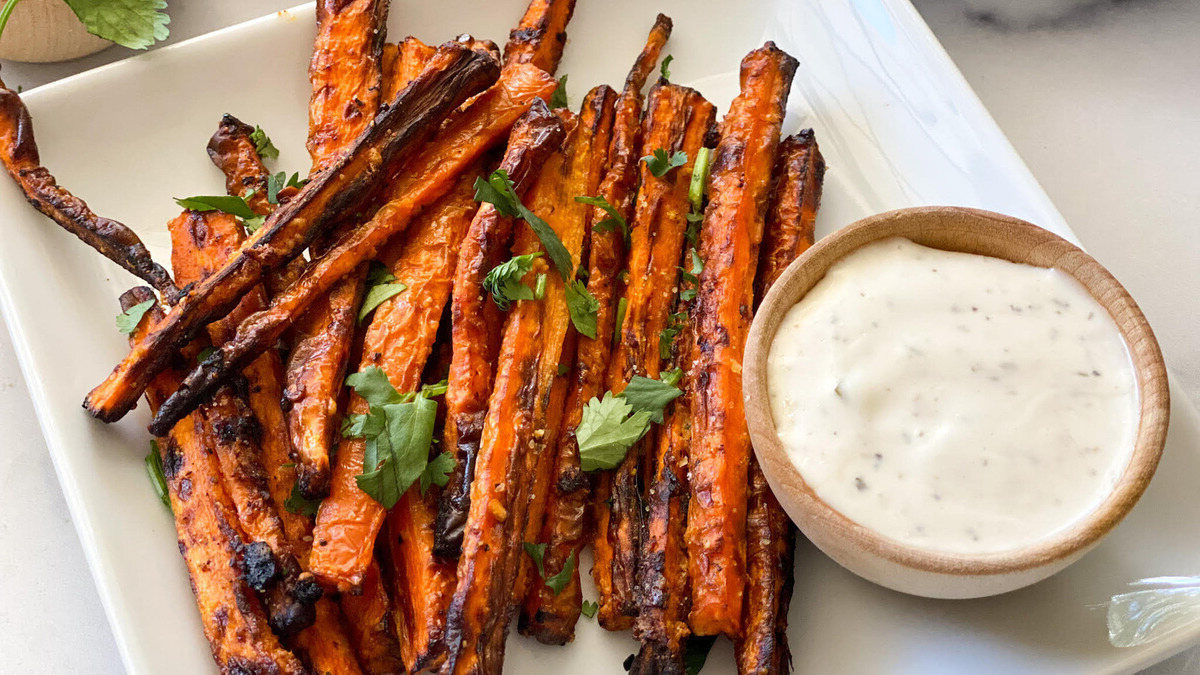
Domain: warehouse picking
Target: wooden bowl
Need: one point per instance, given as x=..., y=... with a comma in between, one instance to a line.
x=914, y=570
x=45, y=31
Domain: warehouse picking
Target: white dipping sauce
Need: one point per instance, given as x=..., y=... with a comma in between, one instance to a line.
x=952, y=401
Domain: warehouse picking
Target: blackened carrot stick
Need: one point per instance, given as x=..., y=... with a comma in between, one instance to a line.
x=541, y=34
x=770, y=537
x=738, y=189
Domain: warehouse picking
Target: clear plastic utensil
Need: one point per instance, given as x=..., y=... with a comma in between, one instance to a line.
x=1156, y=608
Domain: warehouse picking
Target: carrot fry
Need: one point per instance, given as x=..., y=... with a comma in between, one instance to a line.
x=678, y=119
x=455, y=74
x=738, y=189
x=369, y=621
x=770, y=537
x=115, y=241
x=462, y=140
x=548, y=616
x=489, y=568
x=346, y=80
x=540, y=36
x=619, y=189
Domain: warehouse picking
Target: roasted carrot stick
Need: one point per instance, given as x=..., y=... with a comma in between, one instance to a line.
x=547, y=615
x=492, y=553
x=677, y=120
x=454, y=75
x=770, y=537
x=210, y=538
x=619, y=189
x=733, y=222
x=540, y=36
x=462, y=139
x=346, y=81
x=115, y=241
x=662, y=584
x=369, y=621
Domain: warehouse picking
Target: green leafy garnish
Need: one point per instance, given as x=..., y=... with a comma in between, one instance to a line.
x=671, y=377
x=699, y=182
x=562, y=369
x=608, y=428
x=696, y=653
x=262, y=143
x=559, y=581
x=437, y=472
x=136, y=24
x=622, y=307
x=583, y=307
x=381, y=285
x=559, y=98
x=691, y=276
x=278, y=181
x=660, y=163
x=589, y=608
x=538, y=553
x=504, y=281
x=234, y=206
x=675, y=323
x=650, y=396
x=614, y=222
x=154, y=468
x=128, y=320
x=397, y=432
x=664, y=69
x=298, y=503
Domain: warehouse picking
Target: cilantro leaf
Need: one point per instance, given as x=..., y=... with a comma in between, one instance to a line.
x=504, y=281
x=583, y=307
x=262, y=143
x=154, y=468
x=497, y=189
x=608, y=428
x=538, y=553
x=298, y=503
x=234, y=206
x=622, y=307
x=650, y=396
x=136, y=24
x=435, y=389
x=128, y=320
x=589, y=608
x=296, y=181
x=559, y=98
x=373, y=385
x=696, y=653
x=672, y=377
x=699, y=184
x=381, y=285
x=401, y=454
x=615, y=222
x=660, y=163
x=675, y=323
x=559, y=581
x=664, y=69
x=275, y=183
x=437, y=471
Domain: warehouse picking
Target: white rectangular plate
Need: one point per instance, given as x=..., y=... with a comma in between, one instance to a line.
x=898, y=126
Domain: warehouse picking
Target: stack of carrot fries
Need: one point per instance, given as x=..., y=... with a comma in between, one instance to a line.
x=397, y=400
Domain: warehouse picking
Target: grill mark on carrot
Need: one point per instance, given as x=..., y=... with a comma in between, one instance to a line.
x=738, y=189
x=459, y=74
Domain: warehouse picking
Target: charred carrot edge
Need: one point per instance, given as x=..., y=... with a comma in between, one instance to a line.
x=345, y=74
x=465, y=137
x=458, y=74
x=488, y=568
x=226, y=424
x=210, y=538
x=662, y=590
x=677, y=120
x=770, y=536
x=412, y=57
x=580, y=175
x=738, y=188
x=541, y=34
x=115, y=241
x=548, y=616
x=619, y=188
x=369, y=621
x=346, y=79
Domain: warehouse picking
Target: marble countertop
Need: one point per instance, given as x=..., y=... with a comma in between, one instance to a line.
x=1101, y=102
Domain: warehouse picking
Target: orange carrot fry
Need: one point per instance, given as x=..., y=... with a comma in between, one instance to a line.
x=770, y=536
x=738, y=189
x=540, y=36
x=369, y=621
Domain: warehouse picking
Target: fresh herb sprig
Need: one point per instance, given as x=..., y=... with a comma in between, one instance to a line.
x=233, y=205
x=611, y=425
x=128, y=320
x=381, y=285
x=505, y=283
x=659, y=162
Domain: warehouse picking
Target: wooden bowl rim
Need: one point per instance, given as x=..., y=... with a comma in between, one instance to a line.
x=1007, y=238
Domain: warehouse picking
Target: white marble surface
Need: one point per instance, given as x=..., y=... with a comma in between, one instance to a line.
x=1102, y=106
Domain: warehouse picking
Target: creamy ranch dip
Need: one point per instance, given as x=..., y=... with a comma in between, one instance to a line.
x=952, y=401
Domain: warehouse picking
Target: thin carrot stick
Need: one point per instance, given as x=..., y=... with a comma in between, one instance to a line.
x=738, y=189
x=540, y=36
